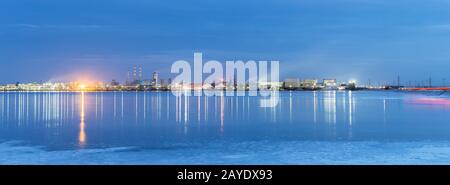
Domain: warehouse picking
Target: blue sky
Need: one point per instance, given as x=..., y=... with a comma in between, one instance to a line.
x=344, y=39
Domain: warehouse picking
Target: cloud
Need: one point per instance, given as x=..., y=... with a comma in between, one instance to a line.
x=439, y=27
x=54, y=26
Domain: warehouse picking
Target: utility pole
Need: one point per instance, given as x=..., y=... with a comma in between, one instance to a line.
x=429, y=82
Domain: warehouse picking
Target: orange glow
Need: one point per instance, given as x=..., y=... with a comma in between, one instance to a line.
x=82, y=134
x=428, y=89
x=431, y=101
x=82, y=87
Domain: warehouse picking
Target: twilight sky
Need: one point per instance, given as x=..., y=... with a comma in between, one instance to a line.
x=43, y=40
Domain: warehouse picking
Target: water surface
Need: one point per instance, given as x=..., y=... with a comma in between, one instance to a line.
x=310, y=127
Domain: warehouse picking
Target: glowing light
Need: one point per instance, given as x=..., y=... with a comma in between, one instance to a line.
x=82, y=87
x=431, y=101
x=352, y=81
x=82, y=134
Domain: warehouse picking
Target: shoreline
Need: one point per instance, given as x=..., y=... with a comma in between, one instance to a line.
x=284, y=90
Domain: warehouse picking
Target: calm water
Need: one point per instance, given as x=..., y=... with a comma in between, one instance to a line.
x=330, y=127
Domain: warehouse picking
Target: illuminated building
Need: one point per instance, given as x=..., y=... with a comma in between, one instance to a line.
x=291, y=83
x=351, y=85
x=330, y=84
x=309, y=84
x=269, y=85
x=155, y=79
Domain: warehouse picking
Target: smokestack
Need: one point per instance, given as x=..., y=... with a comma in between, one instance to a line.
x=140, y=73
x=134, y=73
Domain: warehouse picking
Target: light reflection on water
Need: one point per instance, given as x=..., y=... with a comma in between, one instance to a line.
x=109, y=119
x=82, y=137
